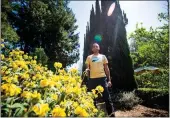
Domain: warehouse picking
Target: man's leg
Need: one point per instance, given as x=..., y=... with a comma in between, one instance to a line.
x=92, y=84
x=107, y=99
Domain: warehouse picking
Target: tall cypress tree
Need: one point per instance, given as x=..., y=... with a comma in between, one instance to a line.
x=114, y=44
x=97, y=20
x=122, y=71
x=92, y=27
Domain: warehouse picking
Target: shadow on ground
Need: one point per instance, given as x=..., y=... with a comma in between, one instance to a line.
x=155, y=113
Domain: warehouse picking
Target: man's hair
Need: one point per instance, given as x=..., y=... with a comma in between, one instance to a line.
x=91, y=46
x=94, y=43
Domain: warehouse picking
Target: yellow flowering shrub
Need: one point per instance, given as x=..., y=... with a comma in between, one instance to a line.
x=29, y=90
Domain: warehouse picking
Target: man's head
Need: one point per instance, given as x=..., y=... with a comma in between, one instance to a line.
x=95, y=48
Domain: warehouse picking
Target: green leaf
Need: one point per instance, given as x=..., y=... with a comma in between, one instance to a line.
x=9, y=100
x=19, y=111
x=5, y=109
x=62, y=97
x=16, y=105
x=25, y=104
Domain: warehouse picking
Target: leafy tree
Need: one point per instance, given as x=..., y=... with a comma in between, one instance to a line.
x=49, y=24
x=152, y=47
x=7, y=32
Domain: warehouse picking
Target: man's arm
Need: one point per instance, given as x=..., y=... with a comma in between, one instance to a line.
x=87, y=69
x=107, y=71
x=87, y=66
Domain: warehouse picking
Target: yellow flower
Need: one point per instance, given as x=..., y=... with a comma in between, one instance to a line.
x=26, y=94
x=25, y=56
x=9, y=59
x=81, y=112
x=21, y=64
x=93, y=91
x=41, y=110
x=36, y=95
x=14, y=66
x=31, y=84
x=2, y=57
x=7, y=79
x=16, y=53
x=33, y=78
x=25, y=67
x=21, y=52
x=63, y=103
x=19, y=57
x=5, y=87
x=75, y=104
x=10, y=89
x=2, y=46
x=4, y=67
x=58, y=112
x=57, y=65
x=69, y=89
x=54, y=96
x=74, y=70
x=38, y=76
x=100, y=89
x=38, y=68
x=16, y=91
x=52, y=83
x=15, y=78
x=96, y=96
x=72, y=80
x=25, y=76
x=11, y=53
x=35, y=57
x=7, y=72
x=58, y=85
x=33, y=61
x=29, y=76
x=65, y=78
x=30, y=57
x=77, y=90
x=56, y=78
x=95, y=110
x=44, y=83
x=25, y=83
x=61, y=71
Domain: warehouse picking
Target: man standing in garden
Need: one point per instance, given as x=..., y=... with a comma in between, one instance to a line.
x=97, y=67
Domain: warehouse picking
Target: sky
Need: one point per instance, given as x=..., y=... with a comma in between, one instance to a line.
x=136, y=11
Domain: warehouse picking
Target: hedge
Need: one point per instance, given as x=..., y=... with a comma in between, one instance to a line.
x=157, y=98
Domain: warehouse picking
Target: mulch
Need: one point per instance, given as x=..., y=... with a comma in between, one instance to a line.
x=142, y=111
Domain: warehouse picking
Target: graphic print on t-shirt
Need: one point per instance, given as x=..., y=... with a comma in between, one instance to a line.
x=95, y=59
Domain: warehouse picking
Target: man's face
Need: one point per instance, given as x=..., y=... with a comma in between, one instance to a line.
x=95, y=48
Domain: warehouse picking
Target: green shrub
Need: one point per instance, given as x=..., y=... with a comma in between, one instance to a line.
x=157, y=98
x=125, y=100
x=153, y=80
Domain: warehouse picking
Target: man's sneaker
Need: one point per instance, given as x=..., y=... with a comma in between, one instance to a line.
x=112, y=114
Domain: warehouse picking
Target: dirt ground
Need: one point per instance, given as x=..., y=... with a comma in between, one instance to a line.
x=142, y=111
